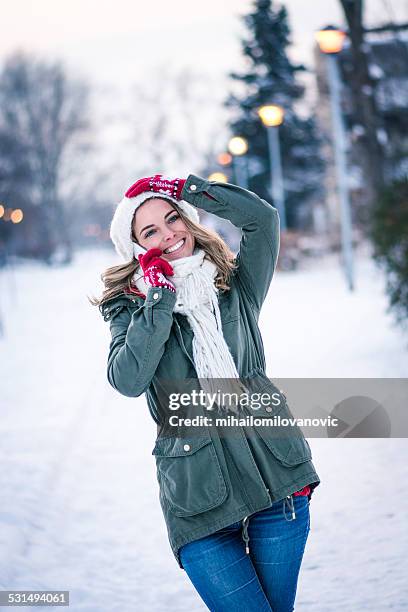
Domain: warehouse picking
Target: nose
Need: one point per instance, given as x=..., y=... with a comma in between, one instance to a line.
x=168, y=235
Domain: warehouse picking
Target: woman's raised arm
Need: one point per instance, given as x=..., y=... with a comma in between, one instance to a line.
x=259, y=222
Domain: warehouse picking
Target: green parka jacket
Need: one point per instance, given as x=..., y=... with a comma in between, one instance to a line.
x=208, y=481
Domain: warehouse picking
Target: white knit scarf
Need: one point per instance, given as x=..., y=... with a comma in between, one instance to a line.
x=197, y=299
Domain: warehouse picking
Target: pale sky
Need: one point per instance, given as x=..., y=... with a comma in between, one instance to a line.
x=116, y=44
x=117, y=40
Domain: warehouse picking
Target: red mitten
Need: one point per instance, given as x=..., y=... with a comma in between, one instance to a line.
x=159, y=184
x=155, y=268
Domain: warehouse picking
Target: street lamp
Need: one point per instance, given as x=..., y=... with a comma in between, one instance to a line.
x=224, y=159
x=238, y=146
x=271, y=116
x=330, y=41
x=220, y=177
x=17, y=215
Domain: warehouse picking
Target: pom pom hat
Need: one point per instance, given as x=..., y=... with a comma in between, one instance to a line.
x=144, y=189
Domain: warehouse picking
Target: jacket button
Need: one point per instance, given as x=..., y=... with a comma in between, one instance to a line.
x=193, y=187
x=187, y=447
x=268, y=409
x=155, y=296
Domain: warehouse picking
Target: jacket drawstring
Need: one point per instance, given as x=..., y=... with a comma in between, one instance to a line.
x=245, y=521
x=289, y=500
x=245, y=536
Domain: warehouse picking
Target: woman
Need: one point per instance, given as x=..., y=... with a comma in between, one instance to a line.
x=183, y=308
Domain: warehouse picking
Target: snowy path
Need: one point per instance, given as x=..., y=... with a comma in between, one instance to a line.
x=80, y=507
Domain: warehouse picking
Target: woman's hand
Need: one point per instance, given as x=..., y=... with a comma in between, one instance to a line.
x=159, y=184
x=155, y=269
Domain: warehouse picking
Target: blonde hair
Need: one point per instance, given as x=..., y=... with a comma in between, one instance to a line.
x=118, y=278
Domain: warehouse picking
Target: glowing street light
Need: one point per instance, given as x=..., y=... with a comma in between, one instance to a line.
x=224, y=159
x=220, y=177
x=272, y=116
x=330, y=41
x=17, y=215
x=238, y=147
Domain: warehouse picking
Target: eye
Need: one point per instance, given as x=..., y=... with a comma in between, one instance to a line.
x=149, y=233
x=174, y=218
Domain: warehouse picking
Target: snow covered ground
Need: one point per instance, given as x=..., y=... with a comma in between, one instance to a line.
x=79, y=498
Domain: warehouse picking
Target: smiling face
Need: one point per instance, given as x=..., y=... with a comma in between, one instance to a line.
x=157, y=224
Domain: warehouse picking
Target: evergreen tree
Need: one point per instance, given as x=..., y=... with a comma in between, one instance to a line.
x=271, y=78
x=388, y=229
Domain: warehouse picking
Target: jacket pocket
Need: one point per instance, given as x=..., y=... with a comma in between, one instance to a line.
x=290, y=452
x=189, y=474
x=286, y=443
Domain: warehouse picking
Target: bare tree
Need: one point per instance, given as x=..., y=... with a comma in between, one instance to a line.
x=178, y=118
x=369, y=149
x=45, y=113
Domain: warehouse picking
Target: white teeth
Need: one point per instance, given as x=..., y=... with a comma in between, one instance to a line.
x=175, y=247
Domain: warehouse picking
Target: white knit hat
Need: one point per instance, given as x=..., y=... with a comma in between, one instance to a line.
x=121, y=225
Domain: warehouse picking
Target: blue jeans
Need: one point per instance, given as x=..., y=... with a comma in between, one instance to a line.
x=265, y=580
